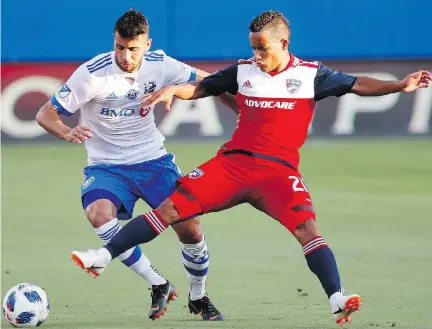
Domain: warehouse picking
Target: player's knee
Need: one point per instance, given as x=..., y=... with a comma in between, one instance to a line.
x=168, y=211
x=306, y=231
x=98, y=213
x=189, y=232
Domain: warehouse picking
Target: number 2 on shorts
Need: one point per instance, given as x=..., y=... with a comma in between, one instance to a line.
x=298, y=184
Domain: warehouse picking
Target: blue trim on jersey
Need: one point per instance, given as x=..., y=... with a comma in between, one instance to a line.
x=97, y=68
x=151, y=59
x=192, y=75
x=92, y=67
x=154, y=55
x=96, y=63
x=133, y=258
x=60, y=109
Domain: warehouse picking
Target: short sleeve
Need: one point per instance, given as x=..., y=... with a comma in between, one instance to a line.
x=176, y=72
x=329, y=82
x=77, y=91
x=221, y=81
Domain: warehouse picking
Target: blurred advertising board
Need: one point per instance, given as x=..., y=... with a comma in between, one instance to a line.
x=27, y=86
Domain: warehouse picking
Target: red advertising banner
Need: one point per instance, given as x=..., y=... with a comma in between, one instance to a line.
x=26, y=87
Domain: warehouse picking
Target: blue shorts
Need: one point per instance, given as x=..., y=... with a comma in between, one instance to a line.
x=152, y=181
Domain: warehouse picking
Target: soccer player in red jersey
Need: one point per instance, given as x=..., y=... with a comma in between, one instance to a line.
x=276, y=95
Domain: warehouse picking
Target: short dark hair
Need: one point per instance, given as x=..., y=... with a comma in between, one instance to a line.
x=269, y=20
x=131, y=24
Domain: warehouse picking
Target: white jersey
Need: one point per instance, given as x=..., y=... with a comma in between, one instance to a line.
x=110, y=103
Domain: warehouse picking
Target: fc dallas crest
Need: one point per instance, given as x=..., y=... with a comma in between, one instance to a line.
x=293, y=85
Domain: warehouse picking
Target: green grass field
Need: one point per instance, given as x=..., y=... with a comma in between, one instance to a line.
x=373, y=200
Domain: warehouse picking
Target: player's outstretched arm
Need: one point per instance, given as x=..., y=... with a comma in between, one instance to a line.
x=366, y=86
x=49, y=119
x=230, y=101
x=226, y=98
x=185, y=91
x=214, y=85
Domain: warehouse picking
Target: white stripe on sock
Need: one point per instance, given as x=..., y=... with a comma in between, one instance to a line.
x=313, y=245
x=156, y=221
x=314, y=241
x=153, y=223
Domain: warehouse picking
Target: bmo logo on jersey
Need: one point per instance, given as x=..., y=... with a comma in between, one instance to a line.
x=117, y=112
x=270, y=104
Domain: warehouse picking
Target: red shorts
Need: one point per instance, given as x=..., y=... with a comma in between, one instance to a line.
x=229, y=180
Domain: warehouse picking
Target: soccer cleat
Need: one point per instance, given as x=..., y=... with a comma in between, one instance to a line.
x=161, y=295
x=205, y=308
x=343, y=306
x=90, y=261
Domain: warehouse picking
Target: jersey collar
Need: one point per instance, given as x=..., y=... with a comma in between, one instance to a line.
x=293, y=61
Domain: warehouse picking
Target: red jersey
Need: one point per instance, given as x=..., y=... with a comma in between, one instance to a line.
x=276, y=109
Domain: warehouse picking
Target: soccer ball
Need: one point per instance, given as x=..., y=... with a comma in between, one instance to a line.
x=26, y=305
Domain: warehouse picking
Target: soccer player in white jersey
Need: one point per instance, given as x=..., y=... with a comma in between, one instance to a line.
x=127, y=159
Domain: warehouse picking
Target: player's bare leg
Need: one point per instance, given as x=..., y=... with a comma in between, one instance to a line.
x=322, y=262
x=102, y=215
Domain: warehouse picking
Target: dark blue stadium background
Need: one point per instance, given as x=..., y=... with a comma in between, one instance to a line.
x=52, y=30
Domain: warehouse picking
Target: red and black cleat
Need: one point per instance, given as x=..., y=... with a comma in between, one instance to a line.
x=161, y=296
x=205, y=308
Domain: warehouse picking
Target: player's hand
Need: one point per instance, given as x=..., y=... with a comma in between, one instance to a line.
x=164, y=95
x=78, y=134
x=413, y=81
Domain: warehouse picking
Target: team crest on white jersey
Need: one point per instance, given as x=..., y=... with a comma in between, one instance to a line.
x=293, y=85
x=196, y=173
x=132, y=94
x=64, y=91
x=149, y=87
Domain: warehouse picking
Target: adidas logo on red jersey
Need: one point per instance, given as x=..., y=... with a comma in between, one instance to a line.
x=247, y=84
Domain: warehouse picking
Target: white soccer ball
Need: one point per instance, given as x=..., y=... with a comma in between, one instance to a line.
x=26, y=305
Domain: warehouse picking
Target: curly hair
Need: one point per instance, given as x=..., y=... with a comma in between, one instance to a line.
x=270, y=19
x=131, y=24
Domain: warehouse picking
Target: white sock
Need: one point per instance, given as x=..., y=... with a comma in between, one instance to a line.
x=196, y=261
x=132, y=258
